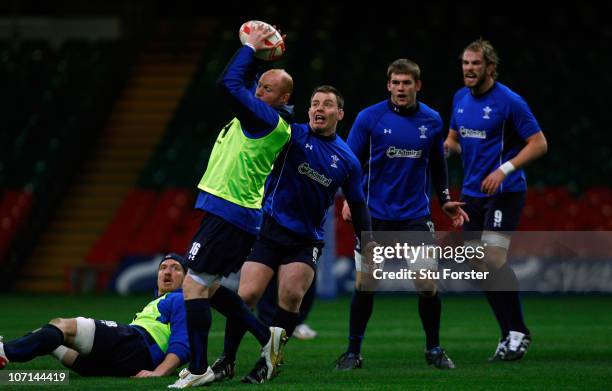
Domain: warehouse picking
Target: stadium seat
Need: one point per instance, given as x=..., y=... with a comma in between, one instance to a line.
x=129, y=219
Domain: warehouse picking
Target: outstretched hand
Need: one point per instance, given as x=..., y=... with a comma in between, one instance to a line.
x=453, y=210
x=346, y=212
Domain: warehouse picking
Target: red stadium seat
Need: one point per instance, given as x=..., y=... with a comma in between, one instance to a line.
x=15, y=208
x=596, y=196
x=168, y=213
x=134, y=210
x=345, y=234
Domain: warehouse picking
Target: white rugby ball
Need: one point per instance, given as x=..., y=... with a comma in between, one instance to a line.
x=275, y=46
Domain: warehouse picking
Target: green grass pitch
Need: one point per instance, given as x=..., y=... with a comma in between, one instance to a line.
x=572, y=344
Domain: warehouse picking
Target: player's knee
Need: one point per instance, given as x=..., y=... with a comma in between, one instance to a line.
x=426, y=288
x=193, y=290
x=478, y=265
x=291, y=298
x=363, y=282
x=249, y=297
x=57, y=322
x=67, y=326
x=496, y=257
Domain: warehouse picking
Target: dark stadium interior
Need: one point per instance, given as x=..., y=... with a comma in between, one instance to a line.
x=59, y=94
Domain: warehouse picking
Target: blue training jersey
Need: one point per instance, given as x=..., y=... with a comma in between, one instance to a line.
x=492, y=128
x=305, y=180
x=396, y=149
x=171, y=311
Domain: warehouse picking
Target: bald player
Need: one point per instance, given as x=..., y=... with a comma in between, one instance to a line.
x=231, y=194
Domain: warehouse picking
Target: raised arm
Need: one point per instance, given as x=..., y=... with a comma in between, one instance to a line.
x=236, y=82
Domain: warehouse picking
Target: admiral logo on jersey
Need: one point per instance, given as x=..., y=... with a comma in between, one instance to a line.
x=311, y=173
x=473, y=133
x=393, y=152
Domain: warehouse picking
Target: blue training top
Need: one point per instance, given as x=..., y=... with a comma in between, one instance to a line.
x=171, y=311
x=305, y=180
x=492, y=128
x=400, y=149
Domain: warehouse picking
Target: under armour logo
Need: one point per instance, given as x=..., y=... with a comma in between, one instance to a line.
x=460, y=111
x=309, y=146
x=487, y=110
x=387, y=131
x=335, y=160
x=423, y=130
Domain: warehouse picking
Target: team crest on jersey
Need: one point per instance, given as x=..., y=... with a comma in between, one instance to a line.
x=487, y=110
x=387, y=131
x=335, y=160
x=423, y=130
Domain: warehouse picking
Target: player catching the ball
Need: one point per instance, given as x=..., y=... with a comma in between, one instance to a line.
x=231, y=193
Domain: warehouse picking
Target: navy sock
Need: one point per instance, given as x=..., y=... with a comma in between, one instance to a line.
x=308, y=301
x=286, y=320
x=502, y=287
x=199, y=320
x=514, y=310
x=361, y=310
x=496, y=301
x=234, y=332
x=37, y=343
x=228, y=303
x=430, y=308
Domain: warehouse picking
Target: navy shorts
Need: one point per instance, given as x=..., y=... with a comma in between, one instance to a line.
x=118, y=350
x=273, y=254
x=421, y=224
x=219, y=247
x=276, y=246
x=501, y=212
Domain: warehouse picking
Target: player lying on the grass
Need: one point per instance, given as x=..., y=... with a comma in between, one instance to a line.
x=155, y=343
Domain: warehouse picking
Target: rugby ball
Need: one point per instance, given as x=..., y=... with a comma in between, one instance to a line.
x=275, y=46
